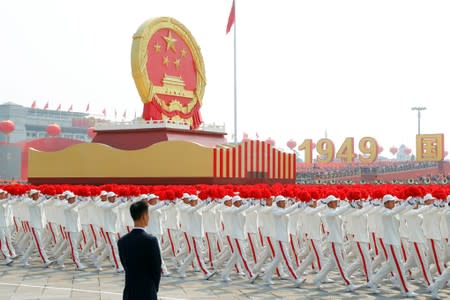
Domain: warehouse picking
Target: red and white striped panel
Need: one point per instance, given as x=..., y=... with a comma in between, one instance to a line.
x=255, y=157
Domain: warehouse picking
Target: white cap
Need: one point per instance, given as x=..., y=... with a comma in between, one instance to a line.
x=236, y=199
x=111, y=194
x=142, y=197
x=32, y=192
x=227, y=198
x=329, y=199
x=279, y=198
x=152, y=196
x=69, y=195
x=2, y=191
x=103, y=193
x=388, y=197
x=428, y=197
x=193, y=197
x=186, y=196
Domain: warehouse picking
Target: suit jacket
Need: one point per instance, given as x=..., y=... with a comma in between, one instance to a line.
x=141, y=258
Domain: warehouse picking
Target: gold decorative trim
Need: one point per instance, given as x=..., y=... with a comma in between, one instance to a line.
x=139, y=59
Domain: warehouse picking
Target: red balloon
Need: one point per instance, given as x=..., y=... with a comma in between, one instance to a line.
x=53, y=129
x=7, y=126
x=393, y=150
x=408, y=151
x=271, y=142
x=291, y=144
x=91, y=132
x=380, y=149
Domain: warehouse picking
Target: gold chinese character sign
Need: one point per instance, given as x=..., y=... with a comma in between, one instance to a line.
x=429, y=147
x=168, y=71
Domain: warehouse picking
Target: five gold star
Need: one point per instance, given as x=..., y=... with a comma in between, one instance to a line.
x=177, y=63
x=170, y=42
x=183, y=52
x=166, y=60
x=157, y=47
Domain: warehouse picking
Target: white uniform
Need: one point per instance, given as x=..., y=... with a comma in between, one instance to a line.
x=418, y=254
x=336, y=240
x=281, y=243
x=73, y=233
x=37, y=226
x=391, y=237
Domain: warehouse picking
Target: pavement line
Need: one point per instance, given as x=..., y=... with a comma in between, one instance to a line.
x=75, y=290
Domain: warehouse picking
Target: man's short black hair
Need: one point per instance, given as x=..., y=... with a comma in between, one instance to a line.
x=138, y=209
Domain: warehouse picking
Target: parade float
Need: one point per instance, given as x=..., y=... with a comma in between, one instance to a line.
x=170, y=144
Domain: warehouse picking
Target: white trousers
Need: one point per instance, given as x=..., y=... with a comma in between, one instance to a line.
x=36, y=243
x=418, y=258
x=314, y=255
x=237, y=256
x=336, y=260
x=393, y=264
x=363, y=260
x=73, y=239
x=281, y=257
x=111, y=250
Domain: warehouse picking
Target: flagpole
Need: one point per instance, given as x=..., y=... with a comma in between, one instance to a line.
x=235, y=81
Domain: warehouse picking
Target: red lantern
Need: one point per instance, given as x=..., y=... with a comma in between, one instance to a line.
x=407, y=151
x=7, y=126
x=91, y=132
x=291, y=144
x=271, y=142
x=53, y=129
x=393, y=150
x=245, y=137
x=380, y=149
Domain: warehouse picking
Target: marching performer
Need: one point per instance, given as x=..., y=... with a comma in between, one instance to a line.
x=282, y=241
x=391, y=237
x=335, y=239
x=5, y=237
x=73, y=232
x=37, y=226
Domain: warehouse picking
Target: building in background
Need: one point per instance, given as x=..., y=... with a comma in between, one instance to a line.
x=31, y=123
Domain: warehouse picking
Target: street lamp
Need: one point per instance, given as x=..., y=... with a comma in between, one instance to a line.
x=419, y=109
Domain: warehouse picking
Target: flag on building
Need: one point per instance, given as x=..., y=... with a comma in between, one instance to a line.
x=59, y=107
x=115, y=113
x=104, y=112
x=70, y=108
x=87, y=108
x=33, y=105
x=124, y=114
x=231, y=18
x=46, y=105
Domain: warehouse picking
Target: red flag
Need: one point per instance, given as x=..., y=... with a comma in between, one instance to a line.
x=70, y=108
x=87, y=108
x=46, y=105
x=104, y=112
x=33, y=105
x=124, y=114
x=231, y=19
x=59, y=107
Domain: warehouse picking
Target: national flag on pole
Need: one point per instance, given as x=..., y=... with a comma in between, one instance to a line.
x=33, y=105
x=59, y=107
x=46, y=105
x=104, y=112
x=70, y=108
x=231, y=18
x=87, y=108
x=124, y=114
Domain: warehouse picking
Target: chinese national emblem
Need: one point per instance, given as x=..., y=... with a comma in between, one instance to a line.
x=169, y=72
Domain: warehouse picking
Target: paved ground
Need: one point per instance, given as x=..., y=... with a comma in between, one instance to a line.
x=35, y=282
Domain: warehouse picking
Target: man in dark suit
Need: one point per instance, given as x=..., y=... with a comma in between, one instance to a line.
x=141, y=258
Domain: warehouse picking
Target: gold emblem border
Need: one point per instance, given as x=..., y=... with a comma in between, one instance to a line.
x=139, y=56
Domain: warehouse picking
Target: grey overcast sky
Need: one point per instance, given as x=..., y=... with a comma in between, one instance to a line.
x=353, y=68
